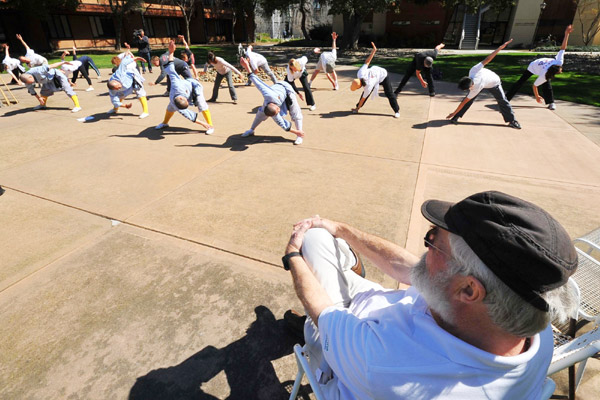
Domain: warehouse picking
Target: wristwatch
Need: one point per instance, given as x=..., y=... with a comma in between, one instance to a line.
x=286, y=259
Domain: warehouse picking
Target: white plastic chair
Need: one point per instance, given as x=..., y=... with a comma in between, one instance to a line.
x=304, y=369
x=548, y=388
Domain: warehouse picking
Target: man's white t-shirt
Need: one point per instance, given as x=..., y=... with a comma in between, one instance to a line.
x=11, y=63
x=483, y=78
x=35, y=60
x=71, y=67
x=540, y=66
x=387, y=345
x=255, y=60
x=373, y=76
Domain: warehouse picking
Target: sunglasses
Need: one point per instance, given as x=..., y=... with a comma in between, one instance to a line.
x=430, y=237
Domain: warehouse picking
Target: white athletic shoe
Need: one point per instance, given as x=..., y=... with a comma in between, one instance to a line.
x=89, y=89
x=111, y=111
x=161, y=126
x=312, y=108
x=76, y=109
x=143, y=115
x=337, y=86
x=210, y=131
x=39, y=107
x=298, y=140
x=551, y=106
x=397, y=115
x=249, y=132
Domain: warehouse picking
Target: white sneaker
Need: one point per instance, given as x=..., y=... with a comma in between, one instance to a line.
x=111, y=111
x=312, y=108
x=337, y=86
x=89, y=89
x=143, y=115
x=161, y=126
x=76, y=109
x=298, y=140
x=210, y=131
x=551, y=106
x=397, y=115
x=39, y=107
x=249, y=132
x=309, y=84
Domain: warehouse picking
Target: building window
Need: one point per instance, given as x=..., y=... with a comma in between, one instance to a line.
x=173, y=28
x=102, y=27
x=148, y=27
x=58, y=27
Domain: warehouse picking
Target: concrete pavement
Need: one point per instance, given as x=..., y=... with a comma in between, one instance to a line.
x=146, y=264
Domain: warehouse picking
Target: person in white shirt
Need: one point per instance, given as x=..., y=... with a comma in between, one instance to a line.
x=482, y=78
x=296, y=69
x=257, y=61
x=370, y=79
x=326, y=64
x=12, y=66
x=31, y=58
x=476, y=322
x=546, y=69
x=224, y=70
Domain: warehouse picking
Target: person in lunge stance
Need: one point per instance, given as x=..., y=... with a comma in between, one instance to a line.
x=482, y=78
x=326, y=64
x=183, y=93
x=12, y=66
x=31, y=58
x=546, y=69
x=257, y=61
x=187, y=56
x=296, y=69
x=421, y=66
x=79, y=65
x=279, y=99
x=125, y=81
x=52, y=80
x=370, y=79
x=224, y=70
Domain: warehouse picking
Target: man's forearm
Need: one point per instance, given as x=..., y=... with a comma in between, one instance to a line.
x=310, y=292
x=395, y=261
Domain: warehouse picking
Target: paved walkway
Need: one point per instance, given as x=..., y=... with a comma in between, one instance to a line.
x=145, y=264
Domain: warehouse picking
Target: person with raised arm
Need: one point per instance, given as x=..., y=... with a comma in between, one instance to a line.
x=51, y=80
x=127, y=80
x=31, y=58
x=187, y=56
x=12, y=66
x=326, y=64
x=421, y=65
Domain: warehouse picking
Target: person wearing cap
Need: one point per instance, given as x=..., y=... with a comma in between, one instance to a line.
x=421, y=65
x=546, y=69
x=474, y=324
x=326, y=64
x=296, y=69
x=183, y=93
x=370, y=79
x=256, y=62
x=51, y=80
x=31, y=58
x=482, y=78
x=278, y=100
x=127, y=80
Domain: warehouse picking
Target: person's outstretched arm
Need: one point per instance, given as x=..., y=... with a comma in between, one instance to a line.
x=334, y=37
x=440, y=46
x=491, y=56
x=373, y=51
x=566, y=39
x=22, y=41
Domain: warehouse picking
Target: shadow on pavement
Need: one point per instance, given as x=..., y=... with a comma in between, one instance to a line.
x=238, y=143
x=336, y=114
x=246, y=363
x=151, y=133
x=438, y=123
x=30, y=109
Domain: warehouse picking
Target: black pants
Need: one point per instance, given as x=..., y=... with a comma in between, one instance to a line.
x=410, y=71
x=505, y=107
x=387, y=89
x=17, y=72
x=547, y=92
x=146, y=56
x=310, y=100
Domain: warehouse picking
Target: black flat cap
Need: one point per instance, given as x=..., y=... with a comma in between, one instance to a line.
x=523, y=245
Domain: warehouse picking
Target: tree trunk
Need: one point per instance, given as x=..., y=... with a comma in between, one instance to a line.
x=352, y=24
x=119, y=26
x=303, y=21
x=233, y=19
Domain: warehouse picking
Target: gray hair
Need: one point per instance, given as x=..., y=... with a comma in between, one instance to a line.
x=428, y=62
x=505, y=308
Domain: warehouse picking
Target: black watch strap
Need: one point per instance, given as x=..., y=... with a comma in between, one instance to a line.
x=286, y=259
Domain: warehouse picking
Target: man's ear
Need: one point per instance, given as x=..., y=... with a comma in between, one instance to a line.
x=471, y=290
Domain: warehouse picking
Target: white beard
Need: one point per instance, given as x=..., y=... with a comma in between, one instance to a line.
x=433, y=289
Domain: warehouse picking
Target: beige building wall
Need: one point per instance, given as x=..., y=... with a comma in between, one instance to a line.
x=525, y=20
x=576, y=37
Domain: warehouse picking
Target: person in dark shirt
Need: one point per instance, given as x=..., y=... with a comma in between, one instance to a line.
x=187, y=56
x=181, y=68
x=143, y=44
x=421, y=64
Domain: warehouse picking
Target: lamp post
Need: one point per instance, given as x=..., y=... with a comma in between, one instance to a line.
x=537, y=25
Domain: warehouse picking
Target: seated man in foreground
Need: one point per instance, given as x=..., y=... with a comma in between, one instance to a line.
x=475, y=323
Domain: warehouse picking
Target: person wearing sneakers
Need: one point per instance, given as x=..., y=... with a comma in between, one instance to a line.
x=296, y=69
x=51, y=80
x=31, y=58
x=77, y=66
x=12, y=66
x=326, y=64
x=482, y=78
x=279, y=99
x=546, y=69
x=370, y=79
x=125, y=81
x=185, y=92
x=257, y=61
x=474, y=324
x=224, y=70
x=421, y=65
